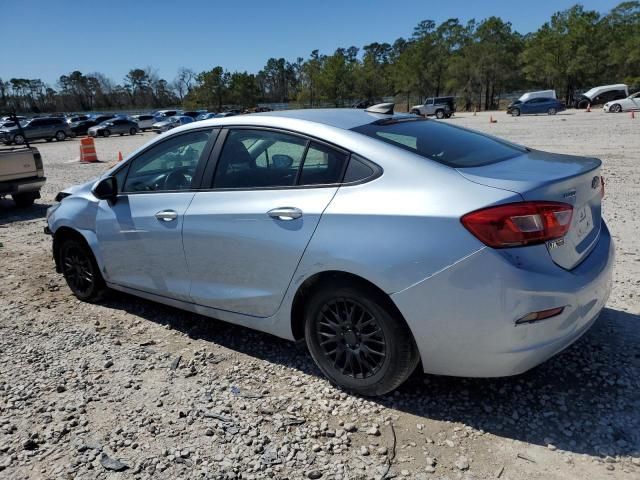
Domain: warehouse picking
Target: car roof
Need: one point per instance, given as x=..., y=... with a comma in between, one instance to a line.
x=345, y=118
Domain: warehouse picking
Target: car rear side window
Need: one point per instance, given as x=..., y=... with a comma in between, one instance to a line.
x=357, y=170
x=446, y=144
x=322, y=165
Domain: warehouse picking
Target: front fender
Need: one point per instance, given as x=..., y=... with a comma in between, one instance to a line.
x=77, y=213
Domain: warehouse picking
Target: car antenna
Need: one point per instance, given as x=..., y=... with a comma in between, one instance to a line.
x=384, y=108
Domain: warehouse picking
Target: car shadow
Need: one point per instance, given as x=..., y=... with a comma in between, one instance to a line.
x=9, y=213
x=579, y=400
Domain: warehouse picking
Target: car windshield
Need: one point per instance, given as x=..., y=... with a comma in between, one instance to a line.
x=447, y=144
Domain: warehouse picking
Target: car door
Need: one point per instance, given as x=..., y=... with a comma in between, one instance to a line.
x=245, y=236
x=140, y=235
x=35, y=129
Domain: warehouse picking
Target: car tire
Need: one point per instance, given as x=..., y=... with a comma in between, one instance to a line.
x=18, y=139
x=515, y=112
x=440, y=114
x=133, y=131
x=106, y=132
x=24, y=200
x=60, y=136
x=552, y=111
x=615, y=108
x=370, y=367
x=582, y=104
x=81, y=271
x=415, y=112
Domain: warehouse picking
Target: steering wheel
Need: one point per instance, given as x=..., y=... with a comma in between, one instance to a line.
x=177, y=180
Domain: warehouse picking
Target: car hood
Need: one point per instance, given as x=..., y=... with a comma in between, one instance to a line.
x=80, y=188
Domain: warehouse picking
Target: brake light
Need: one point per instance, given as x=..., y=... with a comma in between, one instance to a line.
x=519, y=224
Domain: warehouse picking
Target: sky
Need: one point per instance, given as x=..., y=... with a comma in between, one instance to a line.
x=45, y=39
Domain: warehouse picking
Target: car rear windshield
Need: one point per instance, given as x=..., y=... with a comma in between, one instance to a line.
x=447, y=144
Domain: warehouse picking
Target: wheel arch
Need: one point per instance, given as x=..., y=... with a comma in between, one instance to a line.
x=64, y=233
x=317, y=280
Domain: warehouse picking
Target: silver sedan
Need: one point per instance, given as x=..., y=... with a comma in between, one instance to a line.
x=383, y=241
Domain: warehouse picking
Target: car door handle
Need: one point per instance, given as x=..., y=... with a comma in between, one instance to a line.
x=285, y=213
x=167, y=215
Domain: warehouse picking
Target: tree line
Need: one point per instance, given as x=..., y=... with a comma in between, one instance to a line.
x=478, y=61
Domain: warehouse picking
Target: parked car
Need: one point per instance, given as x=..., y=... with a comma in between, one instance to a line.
x=602, y=95
x=82, y=127
x=77, y=118
x=193, y=113
x=11, y=117
x=550, y=106
x=538, y=94
x=7, y=123
x=115, y=125
x=206, y=116
x=144, y=121
x=629, y=104
x=102, y=118
x=21, y=174
x=441, y=107
x=171, y=122
x=46, y=128
x=166, y=113
x=383, y=241
x=230, y=113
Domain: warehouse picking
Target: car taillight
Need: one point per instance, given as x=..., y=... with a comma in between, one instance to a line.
x=519, y=224
x=38, y=160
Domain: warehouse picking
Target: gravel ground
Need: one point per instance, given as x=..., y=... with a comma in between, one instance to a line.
x=131, y=389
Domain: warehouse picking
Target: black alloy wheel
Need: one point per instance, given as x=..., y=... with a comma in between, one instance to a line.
x=81, y=271
x=351, y=336
x=358, y=338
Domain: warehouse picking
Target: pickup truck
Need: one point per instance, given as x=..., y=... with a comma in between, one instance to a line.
x=21, y=174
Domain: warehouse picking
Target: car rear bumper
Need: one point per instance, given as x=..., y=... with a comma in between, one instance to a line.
x=23, y=185
x=463, y=319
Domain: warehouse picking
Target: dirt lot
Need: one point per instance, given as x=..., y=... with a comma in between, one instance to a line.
x=172, y=395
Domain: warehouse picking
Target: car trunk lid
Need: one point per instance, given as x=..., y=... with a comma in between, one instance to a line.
x=553, y=177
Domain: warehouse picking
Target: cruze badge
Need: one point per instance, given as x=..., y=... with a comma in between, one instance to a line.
x=555, y=243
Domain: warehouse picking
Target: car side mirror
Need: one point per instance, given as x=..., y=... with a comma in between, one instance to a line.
x=106, y=189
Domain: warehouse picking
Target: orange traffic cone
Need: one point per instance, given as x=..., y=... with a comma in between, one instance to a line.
x=588, y=108
x=88, y=150
x=119, y=156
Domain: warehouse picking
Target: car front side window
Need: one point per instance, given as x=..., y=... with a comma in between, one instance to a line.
x=167, y=166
